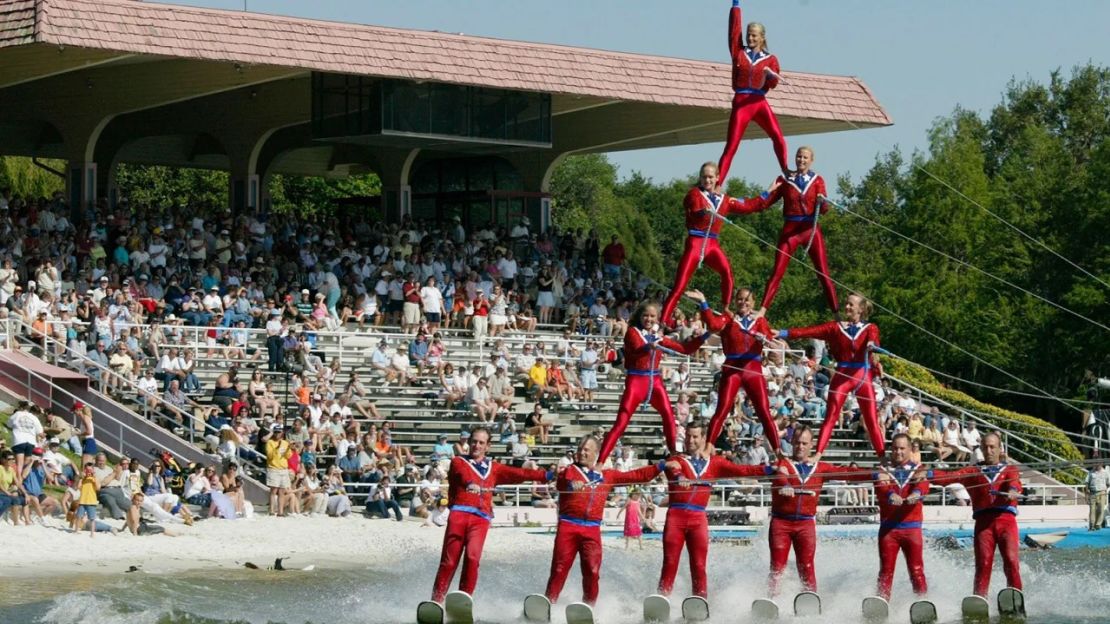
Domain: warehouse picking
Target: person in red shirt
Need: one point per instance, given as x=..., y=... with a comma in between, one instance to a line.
x=691, y=477
x=411, y=309
x=705, y=213
x=850, y=343
x=795, y=488
x=899, y=489
x=470, y=483
x=755, y=71
x=481, y=316
x=644, y=346
x=742, y=338
x=994, y=486
x=583, y=492
x=803, y=199
x=613, y=258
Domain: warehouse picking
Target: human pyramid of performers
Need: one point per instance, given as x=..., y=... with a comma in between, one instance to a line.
x=796, y=481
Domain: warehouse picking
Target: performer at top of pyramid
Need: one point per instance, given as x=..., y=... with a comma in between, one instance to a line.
x=755, y=71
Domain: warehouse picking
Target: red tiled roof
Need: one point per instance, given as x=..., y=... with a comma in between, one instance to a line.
x=17, y=22
x=218, y=35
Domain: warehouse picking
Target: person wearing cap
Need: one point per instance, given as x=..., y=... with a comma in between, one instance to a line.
x=478, y=396
x=471, y=480
x=278, y=451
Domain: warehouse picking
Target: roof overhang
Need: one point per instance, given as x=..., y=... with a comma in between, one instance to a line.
x=56, y=55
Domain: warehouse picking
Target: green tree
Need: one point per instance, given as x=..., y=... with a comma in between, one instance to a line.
x=310, y=195
x=167, y=186
x=25, y=179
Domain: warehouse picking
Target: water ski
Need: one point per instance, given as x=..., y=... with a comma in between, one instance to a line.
x=1011, y=603
x=807, y=604
x=875, y=609
x=459, y=607
x=429, y=612
x=579, y=613
x=764, y=609
x=695, y=609
x=657, y=609
x=537, y=608
x=923, y=612
x=975, y=609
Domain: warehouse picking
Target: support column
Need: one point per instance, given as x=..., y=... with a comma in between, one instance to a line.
x=535, y=170
x=394, y=168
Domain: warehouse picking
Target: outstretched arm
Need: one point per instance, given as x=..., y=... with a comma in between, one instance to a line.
x=639, y=475
x=509, y=475
x=759, y=203
x=689, y=347
x=823, y=331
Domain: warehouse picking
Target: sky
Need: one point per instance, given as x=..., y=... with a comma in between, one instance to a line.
x=920, y=59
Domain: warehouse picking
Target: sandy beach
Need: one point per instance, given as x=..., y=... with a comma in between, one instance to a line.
x=322, y=541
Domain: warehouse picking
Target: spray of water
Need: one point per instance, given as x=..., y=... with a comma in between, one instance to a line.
x=1062, y=587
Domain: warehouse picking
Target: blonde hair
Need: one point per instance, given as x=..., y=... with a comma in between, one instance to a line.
x=866, y=308
x=708, y=163
x=762, y=30
x=812, y=154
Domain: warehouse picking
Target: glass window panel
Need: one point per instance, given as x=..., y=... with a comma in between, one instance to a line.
x=449, y=104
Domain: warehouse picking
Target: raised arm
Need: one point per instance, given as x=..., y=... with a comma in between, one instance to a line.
x=735, y=31
x=713, y=321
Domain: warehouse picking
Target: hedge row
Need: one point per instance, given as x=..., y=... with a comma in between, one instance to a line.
x=1043, y=439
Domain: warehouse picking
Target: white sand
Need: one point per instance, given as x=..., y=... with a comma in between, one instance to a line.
x=354, y=541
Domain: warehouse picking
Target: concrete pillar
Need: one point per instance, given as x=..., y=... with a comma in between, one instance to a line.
x=394, y=168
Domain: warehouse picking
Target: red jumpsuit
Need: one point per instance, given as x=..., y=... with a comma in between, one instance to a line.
x=793, y=517
x=686, y=521
x=704, y=212
x=470, y=516
x=750, y=83
x=900, y=528
x=995, y=517
x=582, y=496
x=800, y=195
x=850, y=345
x=643, y=383
x=743, y=368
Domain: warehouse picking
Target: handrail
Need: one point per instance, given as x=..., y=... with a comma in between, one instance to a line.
x=55, y=388
x=983, y=421
x=47, y=339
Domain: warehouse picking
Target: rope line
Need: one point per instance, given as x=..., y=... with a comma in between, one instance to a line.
x=996, y=216
x=968, y=265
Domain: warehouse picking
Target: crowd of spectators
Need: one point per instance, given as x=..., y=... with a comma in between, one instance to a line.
x=124, y=293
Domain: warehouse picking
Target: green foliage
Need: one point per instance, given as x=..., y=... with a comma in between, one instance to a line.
x=586, y=197
x=168, y=186
x=1043, y=442
x=308, y=195
x=28, y=180
x=1039, y=160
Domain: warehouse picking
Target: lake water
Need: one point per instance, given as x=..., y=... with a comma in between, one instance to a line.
x=1063, y=586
